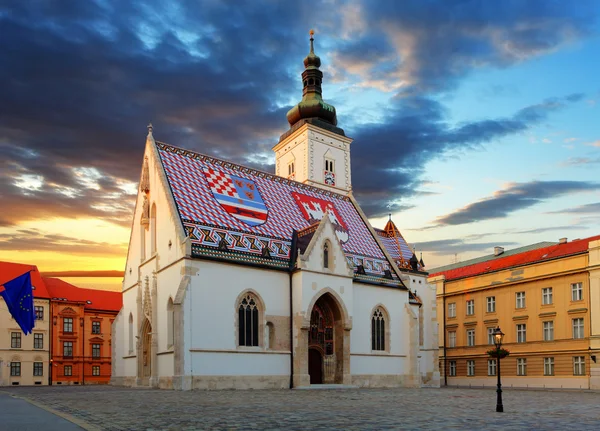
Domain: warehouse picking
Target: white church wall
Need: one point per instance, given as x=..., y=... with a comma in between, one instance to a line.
x=337, y=150
x=243, y=364
x=293, y=150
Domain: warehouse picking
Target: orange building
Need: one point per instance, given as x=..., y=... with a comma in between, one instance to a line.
x=81, y=332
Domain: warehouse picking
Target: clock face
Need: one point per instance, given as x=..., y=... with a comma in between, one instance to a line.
x=329, y=178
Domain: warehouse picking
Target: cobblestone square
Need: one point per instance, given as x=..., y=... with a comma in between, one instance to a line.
x=111, y=408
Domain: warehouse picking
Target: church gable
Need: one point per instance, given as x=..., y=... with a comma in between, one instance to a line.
x=323, y=251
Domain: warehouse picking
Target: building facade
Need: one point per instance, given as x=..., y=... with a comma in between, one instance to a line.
x=544, y=298
x=237, y=278
x=81, y=326
x=24, y=359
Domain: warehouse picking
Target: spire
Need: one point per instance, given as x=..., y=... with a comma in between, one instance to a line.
x=421, y=261
x=312, y=105
x=150, y=130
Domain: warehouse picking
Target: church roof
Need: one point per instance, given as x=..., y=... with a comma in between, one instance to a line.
x=237, y=213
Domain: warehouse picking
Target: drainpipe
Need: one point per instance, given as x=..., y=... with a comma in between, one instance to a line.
x=445, y=355
x=293, y=257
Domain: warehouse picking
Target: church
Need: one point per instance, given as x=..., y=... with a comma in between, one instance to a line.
x=238, y=278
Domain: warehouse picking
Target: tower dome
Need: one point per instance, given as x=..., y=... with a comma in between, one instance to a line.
x=312, y=105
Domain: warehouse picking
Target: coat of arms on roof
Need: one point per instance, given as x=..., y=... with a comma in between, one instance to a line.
x=238, y=196
x=313, y=209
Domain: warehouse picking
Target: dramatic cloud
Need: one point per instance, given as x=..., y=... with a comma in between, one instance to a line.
x=34, y=239
x=456, y=246
x=80, y=81
x=593, y=208
x=514, y=197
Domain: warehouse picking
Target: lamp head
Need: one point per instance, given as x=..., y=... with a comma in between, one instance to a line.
x=498, y=337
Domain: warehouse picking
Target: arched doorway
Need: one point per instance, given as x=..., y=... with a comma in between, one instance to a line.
x=146, y=366
x=325, y=342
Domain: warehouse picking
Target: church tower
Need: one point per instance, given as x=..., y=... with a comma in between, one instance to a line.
x=314, y=151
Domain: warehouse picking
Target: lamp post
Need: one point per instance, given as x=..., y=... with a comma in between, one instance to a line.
x=498, y=336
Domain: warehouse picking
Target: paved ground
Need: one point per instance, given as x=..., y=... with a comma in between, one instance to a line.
x=19, y=415
x=109, y=408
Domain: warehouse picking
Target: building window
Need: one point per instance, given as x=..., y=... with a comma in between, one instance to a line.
x=578, y=327
x=470, y=307
x=578, y=366
x=491, y=304
x=521, y=366
x=68, y=370
x=95, y=370
x=15, y=369
x=490, y=334
x=378, y=330
x=68, y=324
x=248, y=321
x=291, y=169
x=470, y=337
x=470, y=368
x=38, y=341
x=95, y=351
x=491, y=367
x=326, y=255
x=548, y=331
x=95, y=327
x=452, y=309
x=15, y=340
x=329, y=165
x=68, y=349
x=38, y=368
x=546, y=296
x=548, y=366
x=520, y=300
x=452, y=339
x=452, y=370
x=39, y=312
x=521, y=333
x=576, y=292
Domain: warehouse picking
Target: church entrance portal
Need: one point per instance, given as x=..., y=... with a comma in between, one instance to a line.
x=325, y=342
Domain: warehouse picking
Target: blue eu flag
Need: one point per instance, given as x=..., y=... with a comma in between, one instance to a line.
x=18, y=296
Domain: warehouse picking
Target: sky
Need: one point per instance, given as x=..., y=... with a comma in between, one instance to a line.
x=475, y=123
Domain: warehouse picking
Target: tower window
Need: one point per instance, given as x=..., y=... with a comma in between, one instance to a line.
x=311, y=81
x=328, y=165
x=291, y=169
x=305, y=83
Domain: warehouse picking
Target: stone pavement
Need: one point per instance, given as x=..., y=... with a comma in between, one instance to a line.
x=110, y=408
x=19, y=415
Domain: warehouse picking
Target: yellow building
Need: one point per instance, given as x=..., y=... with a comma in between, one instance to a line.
x=544, y=297
x=24, y=359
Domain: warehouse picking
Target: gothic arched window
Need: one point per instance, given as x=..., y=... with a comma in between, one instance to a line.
x=170, y=323
x=248, y=321
x=130, y=333
x=378, y=330
x=326, y=255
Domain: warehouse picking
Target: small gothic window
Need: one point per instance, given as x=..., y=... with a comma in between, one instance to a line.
x=248, y=321
x=378, y=330
x=170, y=322
x=153, y=229
x=329, y=165
x=130, y=333
x=291, y=168
x=326, y=255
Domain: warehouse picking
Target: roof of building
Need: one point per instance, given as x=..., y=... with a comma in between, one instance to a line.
x=396, y=245
x=9, y=271
x=238, y=213
x=531, y=256
x=92, y=298
x=489, y=257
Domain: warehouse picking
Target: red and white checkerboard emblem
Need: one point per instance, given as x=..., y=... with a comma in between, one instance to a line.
x=238, y=196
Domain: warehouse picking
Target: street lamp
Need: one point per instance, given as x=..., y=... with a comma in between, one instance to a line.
x=498, y=336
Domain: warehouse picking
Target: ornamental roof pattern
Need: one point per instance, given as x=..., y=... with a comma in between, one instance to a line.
x=226, y=207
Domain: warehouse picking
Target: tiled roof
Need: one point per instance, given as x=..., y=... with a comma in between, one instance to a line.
x=233, y=211
x=93, y=299
x=10, y=271
x=492, y=256
x=542, y=254
x=396, y=245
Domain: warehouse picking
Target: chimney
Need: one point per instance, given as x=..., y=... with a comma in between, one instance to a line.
x=562, y=241
x=498, y=251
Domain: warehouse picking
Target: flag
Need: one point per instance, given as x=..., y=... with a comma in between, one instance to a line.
x=18, y=296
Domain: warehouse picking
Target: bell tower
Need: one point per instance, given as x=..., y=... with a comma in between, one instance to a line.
x=314, y=150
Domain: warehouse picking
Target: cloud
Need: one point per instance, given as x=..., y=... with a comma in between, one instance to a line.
x=217, y=78
x=34, y=239
x=550, y=229
x=459, y=245
x=579, y=161
x=514, y=197
x=594, y=144
x=593, y=208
